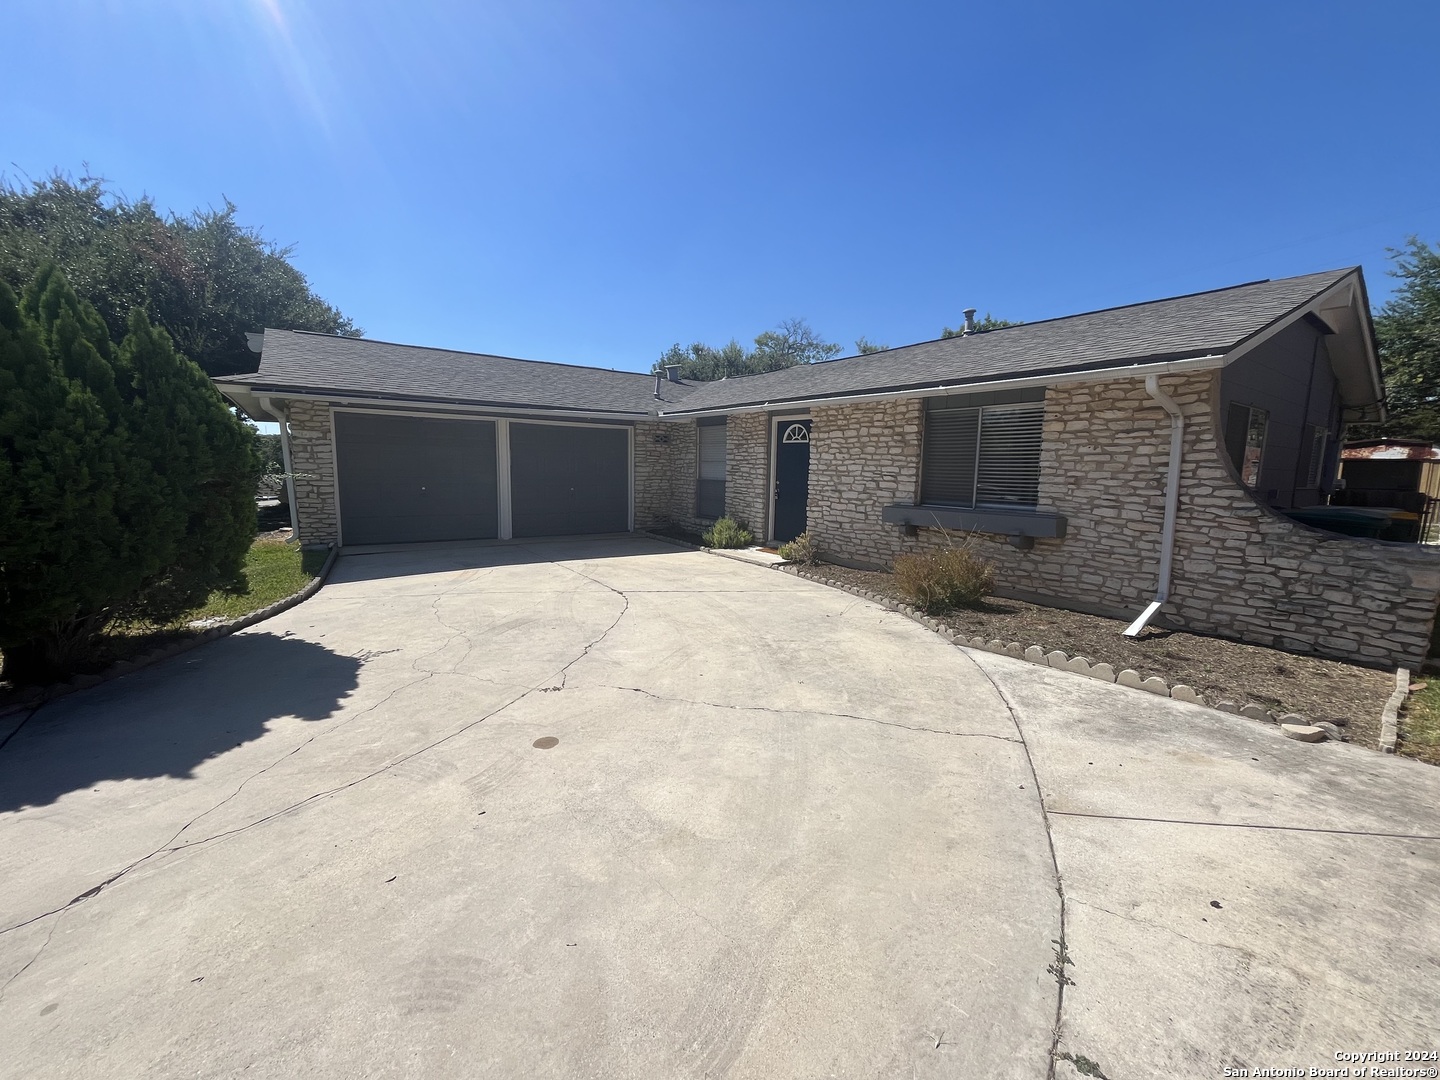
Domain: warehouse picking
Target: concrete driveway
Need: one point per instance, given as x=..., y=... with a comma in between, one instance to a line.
x=609, y=808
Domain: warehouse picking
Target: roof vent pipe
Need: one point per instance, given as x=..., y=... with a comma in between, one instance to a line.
x=657, y=384
x=969, y=321
x=1172, y=503
x=672, y=372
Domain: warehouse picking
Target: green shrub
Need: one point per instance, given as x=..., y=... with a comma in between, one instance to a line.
x=127, y=488
x=803, y=549
x=937, y=581
x=727, y=533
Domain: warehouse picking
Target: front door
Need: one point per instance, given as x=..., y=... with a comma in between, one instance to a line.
x=792, y=478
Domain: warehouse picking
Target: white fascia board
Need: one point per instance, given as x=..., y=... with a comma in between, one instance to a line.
x=438, y=407
x=1208, y=362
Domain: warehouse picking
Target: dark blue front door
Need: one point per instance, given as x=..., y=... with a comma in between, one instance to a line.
x=792, y=478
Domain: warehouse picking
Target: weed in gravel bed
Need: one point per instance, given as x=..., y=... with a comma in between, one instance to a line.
x=1419, y=728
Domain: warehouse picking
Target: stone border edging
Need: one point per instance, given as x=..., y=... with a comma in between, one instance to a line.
x=175, y=648
x=1390, y=717
x=1293, y=725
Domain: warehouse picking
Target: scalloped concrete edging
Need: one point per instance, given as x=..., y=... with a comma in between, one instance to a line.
x=1390, y=717
x=174, y=648
x=1080, y=665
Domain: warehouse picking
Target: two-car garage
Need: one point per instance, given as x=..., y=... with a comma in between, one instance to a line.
x=405, y=478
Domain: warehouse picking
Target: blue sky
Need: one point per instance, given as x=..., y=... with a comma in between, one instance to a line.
x=589, y=182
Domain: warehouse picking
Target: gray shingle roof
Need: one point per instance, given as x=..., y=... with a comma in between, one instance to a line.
x=1201, y=324
x=318, y=363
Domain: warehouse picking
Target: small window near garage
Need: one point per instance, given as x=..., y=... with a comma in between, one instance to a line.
x=1245, y=441
x=983, y=455
x=710, y=481
x=1319, y=443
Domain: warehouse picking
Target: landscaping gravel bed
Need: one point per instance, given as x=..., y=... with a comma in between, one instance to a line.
x=1349, y=696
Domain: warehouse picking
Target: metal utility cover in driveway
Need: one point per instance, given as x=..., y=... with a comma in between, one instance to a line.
x=414, y=478
x=568, y=480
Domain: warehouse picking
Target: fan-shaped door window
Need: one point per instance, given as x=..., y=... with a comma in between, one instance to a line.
x=796, y=433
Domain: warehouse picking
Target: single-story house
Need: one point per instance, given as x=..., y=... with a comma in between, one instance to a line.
x=1136, y=462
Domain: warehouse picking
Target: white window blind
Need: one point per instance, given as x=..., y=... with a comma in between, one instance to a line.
x=710, y=484
x=986, y=456
x=1009, y=468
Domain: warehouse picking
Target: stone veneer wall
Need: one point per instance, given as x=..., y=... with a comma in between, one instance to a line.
x=747, y=471
x=312, y=460
x=654, y=473
x=1244, y=571
x=1241, y=570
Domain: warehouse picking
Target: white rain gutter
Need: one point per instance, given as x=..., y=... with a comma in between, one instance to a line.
x=443, y=408
x=1172, y=503
x=1132, y=371
x=281, y=415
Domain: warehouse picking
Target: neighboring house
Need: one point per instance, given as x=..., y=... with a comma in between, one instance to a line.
x=1049, y=442
x=1400, y=477
x=1383, y=470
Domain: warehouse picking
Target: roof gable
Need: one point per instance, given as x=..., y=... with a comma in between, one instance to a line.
x=1200, y=324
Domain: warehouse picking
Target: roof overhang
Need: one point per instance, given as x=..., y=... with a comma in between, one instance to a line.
x=258, y=402
x=959, y=386
x=1343, y=313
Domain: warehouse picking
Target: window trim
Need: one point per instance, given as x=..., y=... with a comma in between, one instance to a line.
x=1251, y=412
x=710, y=422
x=1031, y=403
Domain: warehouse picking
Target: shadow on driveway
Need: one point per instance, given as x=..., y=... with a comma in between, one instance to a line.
x=171, y=719
x=405, y=560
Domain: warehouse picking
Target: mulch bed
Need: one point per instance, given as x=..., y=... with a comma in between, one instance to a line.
x=1349, y=696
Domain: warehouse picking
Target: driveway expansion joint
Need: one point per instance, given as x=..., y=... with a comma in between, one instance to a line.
x=1244, y=825
x=810, y=712
x=1062, y=952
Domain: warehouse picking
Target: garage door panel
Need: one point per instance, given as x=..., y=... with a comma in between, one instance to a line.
x=406, y=479
x=568, y=481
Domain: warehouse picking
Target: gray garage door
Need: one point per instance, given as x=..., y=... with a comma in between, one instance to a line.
x=410, y=478
x=568, y=480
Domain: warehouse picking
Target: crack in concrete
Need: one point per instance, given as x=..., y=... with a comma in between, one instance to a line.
x=43, y=946
x=1158, y=926
x=1245, y=825
x=170, y=847
x=1300, y=975
x=564, y=672
x=807, y=712
x=1062, y=952
x=16, y=729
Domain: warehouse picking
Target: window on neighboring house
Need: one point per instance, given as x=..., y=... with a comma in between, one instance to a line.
x=1245, y=441
x=982, y=456
x=710, y=482
x=1315, y=471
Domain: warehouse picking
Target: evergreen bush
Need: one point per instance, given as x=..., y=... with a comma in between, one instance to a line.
x=126, y=484
x=727, y=533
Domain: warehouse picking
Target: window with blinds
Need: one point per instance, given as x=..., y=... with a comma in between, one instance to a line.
x=982, y=456
x=710, y=480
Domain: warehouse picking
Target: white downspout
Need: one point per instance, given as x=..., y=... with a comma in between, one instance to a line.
x=1172, y=503
x=289, y=470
